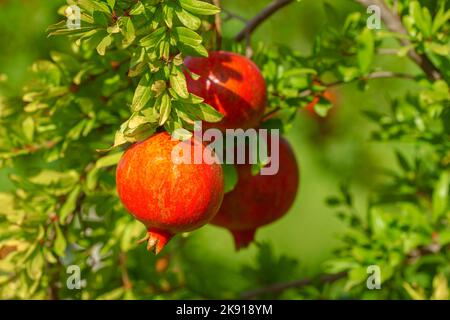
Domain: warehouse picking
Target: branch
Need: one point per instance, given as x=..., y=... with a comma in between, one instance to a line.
x=371, y=76
x=264, y=14
x=394, y=24
x=280, y=287
x=218, y=26
x=232, y=15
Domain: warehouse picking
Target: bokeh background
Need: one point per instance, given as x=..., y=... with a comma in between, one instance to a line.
x=329, y=153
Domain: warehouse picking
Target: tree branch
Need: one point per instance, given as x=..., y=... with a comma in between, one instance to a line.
x=394, y=24
x=218, y=26
x=280, y=287
x=264, y=14
x=371, y=76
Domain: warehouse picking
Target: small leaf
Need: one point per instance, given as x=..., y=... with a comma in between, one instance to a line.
x=109, y=160
x=188, y=20
x=187, y=36
x=441, y=195
x=143, y=93
x=178, y=83
x=165, y=108
x=105, y=43
x=60, y=242
x=28, y=128
x=230, y=177
x=366, y=48
x=70, y=204
x=199, y=7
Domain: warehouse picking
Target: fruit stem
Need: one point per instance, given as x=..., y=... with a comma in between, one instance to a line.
x=243, y=238
x=157, y=240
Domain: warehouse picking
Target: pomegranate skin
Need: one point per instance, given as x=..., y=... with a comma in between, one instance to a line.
x=259, y=200
x=233, y=85
x=168, y=198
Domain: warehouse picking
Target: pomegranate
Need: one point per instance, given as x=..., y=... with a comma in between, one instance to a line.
x=233, y=85
x=168, y=198
x=259, y=200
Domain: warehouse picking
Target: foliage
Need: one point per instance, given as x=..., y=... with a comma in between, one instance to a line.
x=125, y=79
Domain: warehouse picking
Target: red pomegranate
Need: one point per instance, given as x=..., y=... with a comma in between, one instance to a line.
x=166, y=196
x=259, y=200
x=233, y=85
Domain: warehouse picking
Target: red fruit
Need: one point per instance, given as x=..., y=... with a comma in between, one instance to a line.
x=259, y=200
x=233, y=85
x=167, y=197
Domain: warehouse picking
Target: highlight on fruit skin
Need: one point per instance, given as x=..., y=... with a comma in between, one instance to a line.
x=233, y=85
x=259, y=200
x=168, y=198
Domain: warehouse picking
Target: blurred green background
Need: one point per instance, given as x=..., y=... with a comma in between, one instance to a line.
x=328, y=153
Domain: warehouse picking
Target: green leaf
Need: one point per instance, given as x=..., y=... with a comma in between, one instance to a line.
x=90, y=6
x=111, y=3
x=178, y=83
x=202, y=111
x=100, y=18
x=128, y=30
x=137, y=9
x=35, y=266
x=70, y=204
x=366, y=48
x=153, y=38
x=188, y=20
x=105, y=43
x=60, y=242
x=440, y=49
x=143, y=93
x=199, y=7
x=168, y=14
x=109, y=160
x=28, y=128
x=230, y=177
x=441, y=195
x=187, y=36
x=165, y=108
x=441, y=18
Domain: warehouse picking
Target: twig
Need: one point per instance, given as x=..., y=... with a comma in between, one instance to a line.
x=371, y=76
x=264, y=14
x=232, y=15
x=394, y=24
x=280, y=287
x=218, y=26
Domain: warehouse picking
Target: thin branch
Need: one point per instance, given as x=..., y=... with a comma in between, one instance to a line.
x=371, y=76
x=394, y=24
x=263, y=15
x=218, y=26
x=232, y=15
x=280, y=287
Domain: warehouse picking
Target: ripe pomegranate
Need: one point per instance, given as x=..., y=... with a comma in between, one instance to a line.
x=259, y=200
x=168, y=198
x=233, y=85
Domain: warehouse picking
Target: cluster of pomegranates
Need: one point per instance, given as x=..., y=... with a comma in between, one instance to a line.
x=170, y=198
